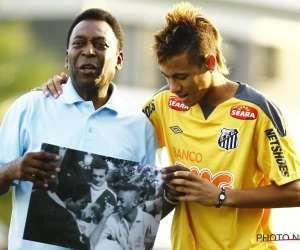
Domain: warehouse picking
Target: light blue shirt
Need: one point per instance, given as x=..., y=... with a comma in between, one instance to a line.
x=117, y=129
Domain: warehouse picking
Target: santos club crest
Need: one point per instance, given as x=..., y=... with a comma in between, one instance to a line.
x=228, y=138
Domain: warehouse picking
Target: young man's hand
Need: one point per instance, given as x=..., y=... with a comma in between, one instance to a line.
x=53, y=85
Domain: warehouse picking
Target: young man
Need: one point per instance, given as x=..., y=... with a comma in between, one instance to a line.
x=126, y=226
x=94, y=53
x=231, y=137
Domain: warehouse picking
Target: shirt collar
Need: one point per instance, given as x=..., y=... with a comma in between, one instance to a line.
x=138, y=218
x=70, y=96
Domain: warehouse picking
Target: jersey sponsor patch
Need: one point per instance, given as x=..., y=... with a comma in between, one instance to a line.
x=174, y=103
x=189, y=155
x=149, y=108
x=277, y=152
x=228, y=139
x=222, y=179
x=243, y=112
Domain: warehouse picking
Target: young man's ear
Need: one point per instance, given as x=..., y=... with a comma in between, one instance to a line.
x=120, y=59
x=210, y=63
x=66, y=60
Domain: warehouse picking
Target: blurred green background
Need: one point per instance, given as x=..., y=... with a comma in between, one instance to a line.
x=23, y=66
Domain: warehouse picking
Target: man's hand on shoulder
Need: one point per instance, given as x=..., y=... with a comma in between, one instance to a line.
x=53, y=85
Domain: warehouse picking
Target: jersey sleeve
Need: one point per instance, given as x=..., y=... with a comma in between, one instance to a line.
x=276, y=154
x=153, y=110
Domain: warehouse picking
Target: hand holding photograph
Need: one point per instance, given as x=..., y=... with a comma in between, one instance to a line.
x=96, y=202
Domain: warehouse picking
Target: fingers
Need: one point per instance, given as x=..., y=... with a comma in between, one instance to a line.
x=176, y=172
x=44, y=156
x=64, y=77
x=51, y=85
x=36, y=181
x=37, y=89
x=45, y=87
x=173, y=169
x=35, y=167
x=172, y=190
x=57, y=82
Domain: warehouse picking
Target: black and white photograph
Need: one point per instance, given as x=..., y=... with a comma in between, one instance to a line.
x=96, y=202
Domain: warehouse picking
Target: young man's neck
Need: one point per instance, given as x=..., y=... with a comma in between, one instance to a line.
x=219, y=93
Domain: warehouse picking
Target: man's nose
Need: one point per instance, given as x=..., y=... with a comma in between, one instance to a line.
x=89, y=50
x=174, y=86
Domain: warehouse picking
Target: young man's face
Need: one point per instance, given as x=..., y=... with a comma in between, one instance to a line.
x=126, y=202
x=99, y=176
x=190, y=82
x=77, y=206
x=92, y=54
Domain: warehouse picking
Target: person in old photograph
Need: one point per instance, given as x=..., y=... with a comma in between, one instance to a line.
x=52, y=216
x=93, y=55
x=130, y=227
x=99, y=194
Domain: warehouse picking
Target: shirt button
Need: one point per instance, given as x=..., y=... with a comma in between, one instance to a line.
x=91, y=130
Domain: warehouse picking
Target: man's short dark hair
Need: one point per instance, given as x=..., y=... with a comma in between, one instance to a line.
x=99, y=163
x=100, y=15
x=72, y=187
x=129, y=187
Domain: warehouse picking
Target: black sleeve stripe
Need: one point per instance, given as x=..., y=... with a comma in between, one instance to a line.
x=166, y=87
x=249, y=94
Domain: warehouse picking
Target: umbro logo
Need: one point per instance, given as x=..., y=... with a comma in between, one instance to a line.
x=176, y=130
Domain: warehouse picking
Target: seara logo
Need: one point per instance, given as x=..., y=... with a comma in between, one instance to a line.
x=177, y=105
x=243, y=112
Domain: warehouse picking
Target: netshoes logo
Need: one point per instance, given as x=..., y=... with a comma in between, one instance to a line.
x=277, y=152
x=177, y=105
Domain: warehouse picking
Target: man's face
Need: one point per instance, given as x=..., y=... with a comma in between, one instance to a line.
x=190, y=82
x=126, y=202
x=99, y=176
x=77, y=206
x=92, y=56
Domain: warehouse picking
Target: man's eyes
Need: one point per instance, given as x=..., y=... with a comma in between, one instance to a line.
x=181, y=77
x=98, y=44
x=78, y=43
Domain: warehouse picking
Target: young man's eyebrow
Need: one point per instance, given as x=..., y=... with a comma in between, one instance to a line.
x=175, y=75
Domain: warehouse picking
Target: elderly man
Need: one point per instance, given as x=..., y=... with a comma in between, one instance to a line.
x=90, y=114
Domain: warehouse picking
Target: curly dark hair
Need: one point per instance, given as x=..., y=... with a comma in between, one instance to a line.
x=100, y=15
